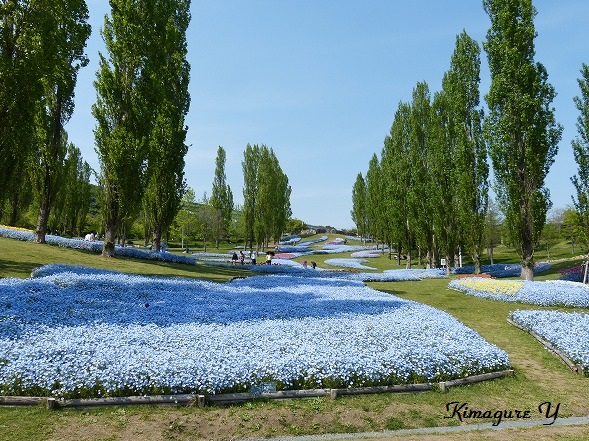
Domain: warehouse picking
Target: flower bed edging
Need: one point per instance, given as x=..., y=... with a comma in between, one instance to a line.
x=222, y=399
x=577, y=368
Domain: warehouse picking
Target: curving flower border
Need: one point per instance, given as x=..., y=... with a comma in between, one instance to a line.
x=566, y=332
x=545, y=293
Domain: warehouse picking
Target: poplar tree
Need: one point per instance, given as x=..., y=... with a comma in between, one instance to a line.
x=460, y=165
x=266, y=195
x=166, y=73
x=21, y=67
x=121, y=134
x=461, y=84
x=375, y=201
x=397, y=170
x=221, y=196
x=419, y=192
x=443, y=172
x=521, y=129
x=581, y=152
x=358, y=212
x=250, y=164
x=65, y=32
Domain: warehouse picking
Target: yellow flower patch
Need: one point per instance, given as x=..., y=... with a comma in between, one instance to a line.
x=14, y=228
x=494, y=286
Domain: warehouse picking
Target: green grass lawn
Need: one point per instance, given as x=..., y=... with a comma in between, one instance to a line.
x=539, y=375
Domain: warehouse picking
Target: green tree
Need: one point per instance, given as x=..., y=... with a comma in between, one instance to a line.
x=221, y=197
x=123, y=116
x=250, y=164
x=65, y=32
x=272, y=207
x=397, y=172
x=492, y=229
x=521, y=130
x=375, y=202
x=469, y=158
x=442, y=172
x=581, y=152
x=73, y=200
x=358, y=212
x=166, y=70
x=421, y=214
x=22, y=64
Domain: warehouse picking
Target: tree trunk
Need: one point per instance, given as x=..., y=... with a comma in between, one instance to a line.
x=109, y=238
x=527, y=272
x=477, y=263
x=14, y=209
x=156, y=243
x=42, y=219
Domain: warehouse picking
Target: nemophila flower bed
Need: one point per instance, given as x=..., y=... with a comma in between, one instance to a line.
x=399, y=275
x=501, y=270
x=545, y=293
x=96, y=246
x=565, y=332
x=75, y=332
x=348, y=263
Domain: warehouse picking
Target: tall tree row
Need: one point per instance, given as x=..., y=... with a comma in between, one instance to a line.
x=430, y=187
x=521, y=129
x=41, y=51
x=266, y=194
x=141, y=102
x=434, y=163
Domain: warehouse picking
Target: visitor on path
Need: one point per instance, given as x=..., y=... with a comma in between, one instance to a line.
x=234, y=258
x=253, y=257
x=269, y=255
x=241, y=257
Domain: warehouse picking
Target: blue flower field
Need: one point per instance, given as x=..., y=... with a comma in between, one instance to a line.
x=70, y=331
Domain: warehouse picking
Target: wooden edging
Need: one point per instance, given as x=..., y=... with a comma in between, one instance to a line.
x=577, y=368
x=202, y=400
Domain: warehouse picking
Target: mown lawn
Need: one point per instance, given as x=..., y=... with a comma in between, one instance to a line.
x=540, y=377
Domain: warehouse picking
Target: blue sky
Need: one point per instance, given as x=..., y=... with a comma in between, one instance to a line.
x=319, y=82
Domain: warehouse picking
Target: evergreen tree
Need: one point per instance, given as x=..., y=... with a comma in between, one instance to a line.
x=521, y=130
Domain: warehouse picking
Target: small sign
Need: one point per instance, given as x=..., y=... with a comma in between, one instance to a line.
x=443, y=262
x=264, y=388
x=269, y=387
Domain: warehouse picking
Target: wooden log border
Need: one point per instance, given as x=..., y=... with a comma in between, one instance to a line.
x=223, y=399
x=577, y=368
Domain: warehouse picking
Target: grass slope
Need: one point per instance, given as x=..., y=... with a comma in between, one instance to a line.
x=540, y=377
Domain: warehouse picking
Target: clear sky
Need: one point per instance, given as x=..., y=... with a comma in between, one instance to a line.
x=319, y=81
